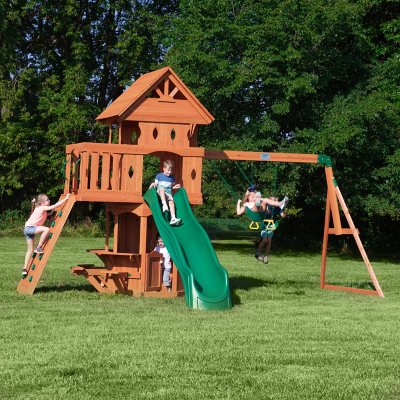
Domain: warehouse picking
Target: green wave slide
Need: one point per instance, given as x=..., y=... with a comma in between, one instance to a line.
x=205, y=281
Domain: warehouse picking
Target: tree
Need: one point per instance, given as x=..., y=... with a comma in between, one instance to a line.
x=62, y=63
x=303, y=76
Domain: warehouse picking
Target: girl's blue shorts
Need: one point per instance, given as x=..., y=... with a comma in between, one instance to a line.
x=29, y=232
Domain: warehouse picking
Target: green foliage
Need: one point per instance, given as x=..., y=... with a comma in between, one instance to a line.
x=299, y=76
x=62, y=63
x=310, y=77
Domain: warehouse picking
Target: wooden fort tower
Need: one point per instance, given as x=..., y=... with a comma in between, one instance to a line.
x=159, y=116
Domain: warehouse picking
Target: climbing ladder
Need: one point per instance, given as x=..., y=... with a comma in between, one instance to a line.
x=38, y=262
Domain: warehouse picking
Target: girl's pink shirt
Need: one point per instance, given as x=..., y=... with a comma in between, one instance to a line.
x=38, y=217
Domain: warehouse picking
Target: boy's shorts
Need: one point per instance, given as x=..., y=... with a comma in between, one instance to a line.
x=267, y=234
x=29, y=232
x=168, y=193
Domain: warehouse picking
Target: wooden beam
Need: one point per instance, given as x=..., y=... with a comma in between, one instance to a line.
x=260, y=156
x=343, y=231
x=174, y=92
x=331, y=196
x=127, y=149
x=166, y=87
x=353, y=290
x=159, y=92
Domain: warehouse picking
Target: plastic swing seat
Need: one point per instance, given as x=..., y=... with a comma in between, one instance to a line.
x=256, y=218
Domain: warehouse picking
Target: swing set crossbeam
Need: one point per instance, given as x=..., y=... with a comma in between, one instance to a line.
x=261, y=157
x=334, y=199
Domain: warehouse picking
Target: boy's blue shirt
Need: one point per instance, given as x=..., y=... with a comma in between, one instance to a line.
x=165, y=181
x=161, y=177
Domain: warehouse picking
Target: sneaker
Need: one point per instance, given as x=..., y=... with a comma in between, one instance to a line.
x=24, y=273
x=164, y=208
x=259, y=257
x=284, y=202
x=175, y=221
x=38, y=250
x=265, y=260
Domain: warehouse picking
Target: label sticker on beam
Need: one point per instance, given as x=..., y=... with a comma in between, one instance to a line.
x=265, y=156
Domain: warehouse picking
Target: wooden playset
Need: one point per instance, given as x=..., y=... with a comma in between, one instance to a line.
x=158, y=116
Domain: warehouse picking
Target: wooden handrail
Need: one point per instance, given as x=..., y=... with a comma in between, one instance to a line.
x=132, y=149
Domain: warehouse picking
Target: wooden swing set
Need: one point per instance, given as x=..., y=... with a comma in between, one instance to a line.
x=156, y=116
x=332, y=211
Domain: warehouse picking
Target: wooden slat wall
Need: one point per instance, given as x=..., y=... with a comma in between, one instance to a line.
x=191, y=175
x=161, y=137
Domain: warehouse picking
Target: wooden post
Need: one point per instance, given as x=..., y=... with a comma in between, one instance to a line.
x=115, y=246
x=106, y=246
x=110, y=133
x=325, y=242
x=331, y=196
x=68, y=162
x=143, y=235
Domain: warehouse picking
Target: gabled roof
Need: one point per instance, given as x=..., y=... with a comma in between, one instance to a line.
x=160, y=88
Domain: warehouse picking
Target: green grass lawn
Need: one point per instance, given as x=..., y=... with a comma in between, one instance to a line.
x=283, y=339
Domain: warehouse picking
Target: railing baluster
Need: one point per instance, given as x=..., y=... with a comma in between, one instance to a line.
x=67, y=175
x=94, y=171
x=105, y=172
x=75, y=172
x=116, y=168
x=84, y=169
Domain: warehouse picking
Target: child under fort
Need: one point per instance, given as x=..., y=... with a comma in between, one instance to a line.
x=165, y=262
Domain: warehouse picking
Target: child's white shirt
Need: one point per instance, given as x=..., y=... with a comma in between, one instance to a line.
x=166, y=256
x=249, y=204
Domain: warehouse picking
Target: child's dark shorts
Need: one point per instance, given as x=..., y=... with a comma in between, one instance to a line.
x=267, y=234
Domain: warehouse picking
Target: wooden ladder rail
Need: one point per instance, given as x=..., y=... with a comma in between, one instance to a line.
x=38, y=262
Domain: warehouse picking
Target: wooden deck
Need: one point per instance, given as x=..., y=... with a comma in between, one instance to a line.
x=114, y=172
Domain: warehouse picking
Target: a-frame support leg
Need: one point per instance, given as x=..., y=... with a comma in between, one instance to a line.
x=325, y=243
x=333, y=196
x=358, y=242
